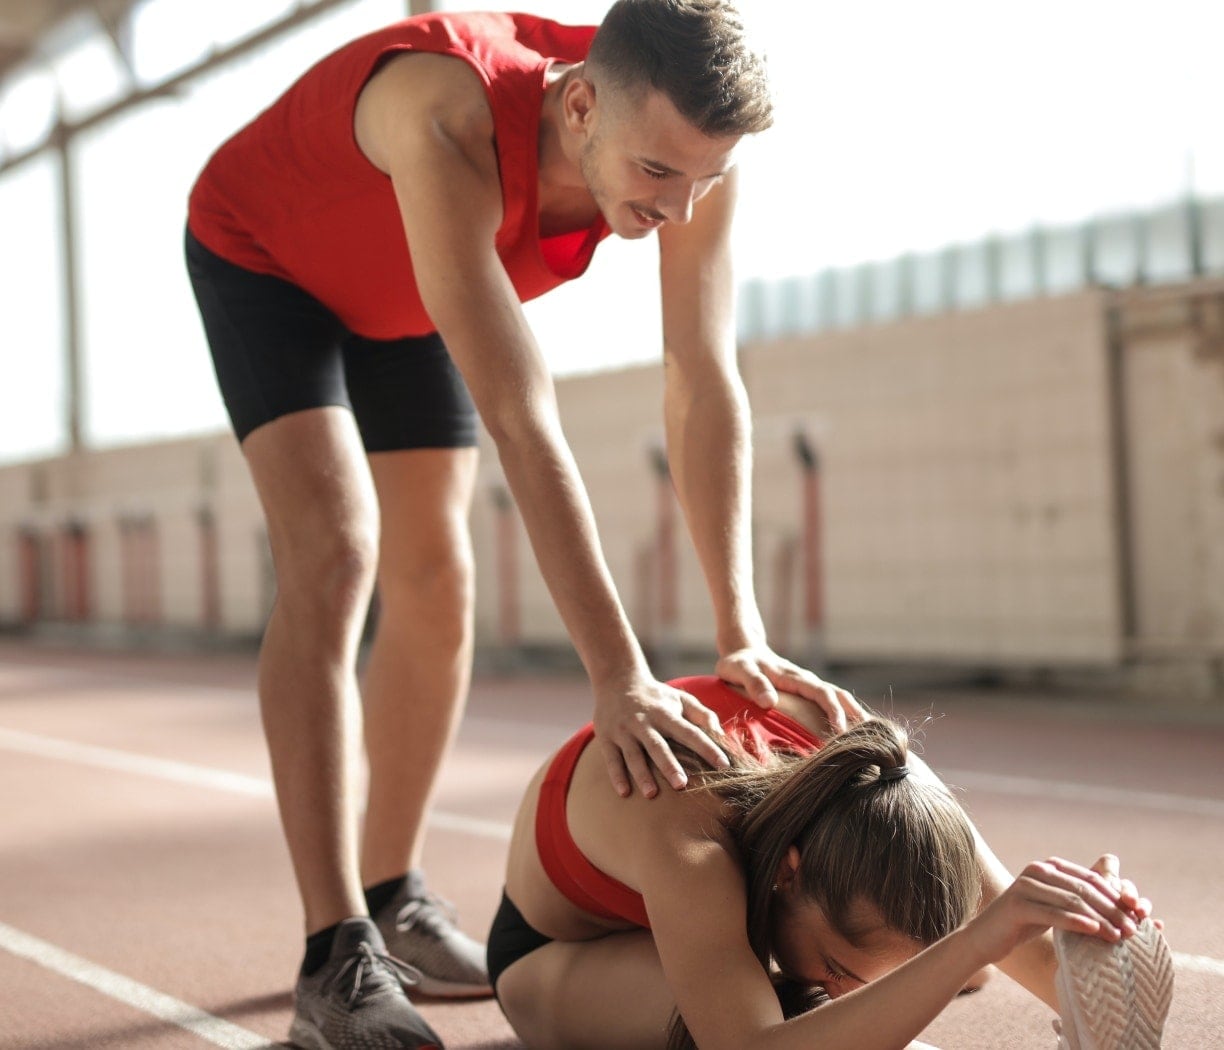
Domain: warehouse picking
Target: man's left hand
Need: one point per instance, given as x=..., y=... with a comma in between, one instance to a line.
x=761, y=672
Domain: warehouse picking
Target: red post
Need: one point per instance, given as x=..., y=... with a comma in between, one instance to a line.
x=669, y=576
x=74, y=558
x=30, y=558
x=783, y=595
x=127, y=571
x=508, y=625
x=813, y=569
x=813, y=550
x=151, y=560
x=210, y=570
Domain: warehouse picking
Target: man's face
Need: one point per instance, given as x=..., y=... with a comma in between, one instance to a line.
x=646, y=165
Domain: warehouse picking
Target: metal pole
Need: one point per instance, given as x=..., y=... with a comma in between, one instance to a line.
x=509, y=633
x=813, y=552
x=71, y=289
x=665, y=560
x=1124, y=537
x=167, y=88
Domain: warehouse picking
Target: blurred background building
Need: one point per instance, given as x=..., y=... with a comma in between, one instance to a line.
x=982, y=331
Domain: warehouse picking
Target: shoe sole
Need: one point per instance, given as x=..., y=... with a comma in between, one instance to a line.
x=305, y=1036
x=1114, y=996
x=436, y=989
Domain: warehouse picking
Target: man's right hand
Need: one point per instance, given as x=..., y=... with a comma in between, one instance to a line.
x=634, y=723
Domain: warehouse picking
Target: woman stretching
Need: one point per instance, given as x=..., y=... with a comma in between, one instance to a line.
x=717, y=916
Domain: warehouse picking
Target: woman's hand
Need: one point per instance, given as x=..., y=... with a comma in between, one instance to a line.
x=1141, y=908
x=1058, y=893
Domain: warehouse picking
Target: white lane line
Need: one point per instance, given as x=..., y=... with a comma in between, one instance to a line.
x=129, y=762
x=1198, y=964
x=202, y=776
x=259, y=787
x=123, y=989
x=487, y=829
x=1063, y=790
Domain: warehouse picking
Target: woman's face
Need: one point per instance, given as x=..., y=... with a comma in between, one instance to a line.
x=808, y=949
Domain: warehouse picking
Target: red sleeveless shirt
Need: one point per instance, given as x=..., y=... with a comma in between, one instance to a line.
x=292, y=195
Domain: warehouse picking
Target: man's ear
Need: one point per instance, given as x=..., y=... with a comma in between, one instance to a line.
x=579, y=105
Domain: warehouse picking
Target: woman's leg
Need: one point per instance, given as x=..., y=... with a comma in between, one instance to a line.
x=604, y=994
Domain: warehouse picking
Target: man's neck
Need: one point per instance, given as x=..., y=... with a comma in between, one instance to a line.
x=563, y=196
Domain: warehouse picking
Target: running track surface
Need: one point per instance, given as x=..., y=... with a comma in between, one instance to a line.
x=146, y=899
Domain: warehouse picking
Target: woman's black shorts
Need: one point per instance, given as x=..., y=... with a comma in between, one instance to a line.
x=277, y=350
x=510, y=938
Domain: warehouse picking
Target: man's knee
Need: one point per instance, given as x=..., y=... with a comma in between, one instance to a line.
x=442, y=575
x=332, y=571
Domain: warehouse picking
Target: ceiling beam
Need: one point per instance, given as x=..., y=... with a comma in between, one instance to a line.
x=66, y=131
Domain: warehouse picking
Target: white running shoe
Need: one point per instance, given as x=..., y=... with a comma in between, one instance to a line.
x=1113, y=996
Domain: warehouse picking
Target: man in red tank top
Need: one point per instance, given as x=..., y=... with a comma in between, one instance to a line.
x=360, y=252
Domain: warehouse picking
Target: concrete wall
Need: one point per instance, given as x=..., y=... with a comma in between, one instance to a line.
x=1036, y=484
x=966, y=468
x=166, y=486
x=1174, y=392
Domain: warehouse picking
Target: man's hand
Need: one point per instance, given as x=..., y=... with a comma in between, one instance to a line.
x=760, y=672
x=633, y=725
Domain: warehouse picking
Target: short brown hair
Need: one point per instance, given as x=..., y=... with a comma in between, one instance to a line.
x=696, y=53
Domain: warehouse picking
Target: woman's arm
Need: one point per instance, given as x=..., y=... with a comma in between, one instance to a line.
x=1032, y=964
x=697, y=905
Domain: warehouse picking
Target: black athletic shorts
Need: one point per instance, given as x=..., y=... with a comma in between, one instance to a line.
x=510, y=938
x=277, y=350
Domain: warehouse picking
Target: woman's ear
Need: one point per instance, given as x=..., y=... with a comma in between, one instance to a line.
x=788, y=869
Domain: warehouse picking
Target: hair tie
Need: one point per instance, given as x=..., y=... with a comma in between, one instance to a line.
x=894, y=772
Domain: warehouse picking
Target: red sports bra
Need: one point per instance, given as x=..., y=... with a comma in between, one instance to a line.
x=576, y=877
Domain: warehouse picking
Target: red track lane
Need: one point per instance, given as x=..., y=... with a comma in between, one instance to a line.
x=128, y=853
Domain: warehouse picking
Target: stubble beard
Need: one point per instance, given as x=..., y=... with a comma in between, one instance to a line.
x=588, y=165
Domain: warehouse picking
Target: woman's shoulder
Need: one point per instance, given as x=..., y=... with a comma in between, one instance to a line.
x=730, y=703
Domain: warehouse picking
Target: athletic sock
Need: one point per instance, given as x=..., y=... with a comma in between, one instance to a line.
x=380, y=894
x=318, y=950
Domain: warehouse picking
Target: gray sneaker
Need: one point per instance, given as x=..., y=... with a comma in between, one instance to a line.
x=421, y=931
x=1112, y=996
x=356, y=1001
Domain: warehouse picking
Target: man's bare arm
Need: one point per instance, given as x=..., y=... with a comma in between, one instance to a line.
x=433, y=130
x=709, y=444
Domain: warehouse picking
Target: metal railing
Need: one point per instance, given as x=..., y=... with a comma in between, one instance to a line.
x=1172, y=243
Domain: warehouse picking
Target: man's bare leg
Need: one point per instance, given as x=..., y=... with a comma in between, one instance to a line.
x=419, y=668
x=319, y=501
x=415, y=688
